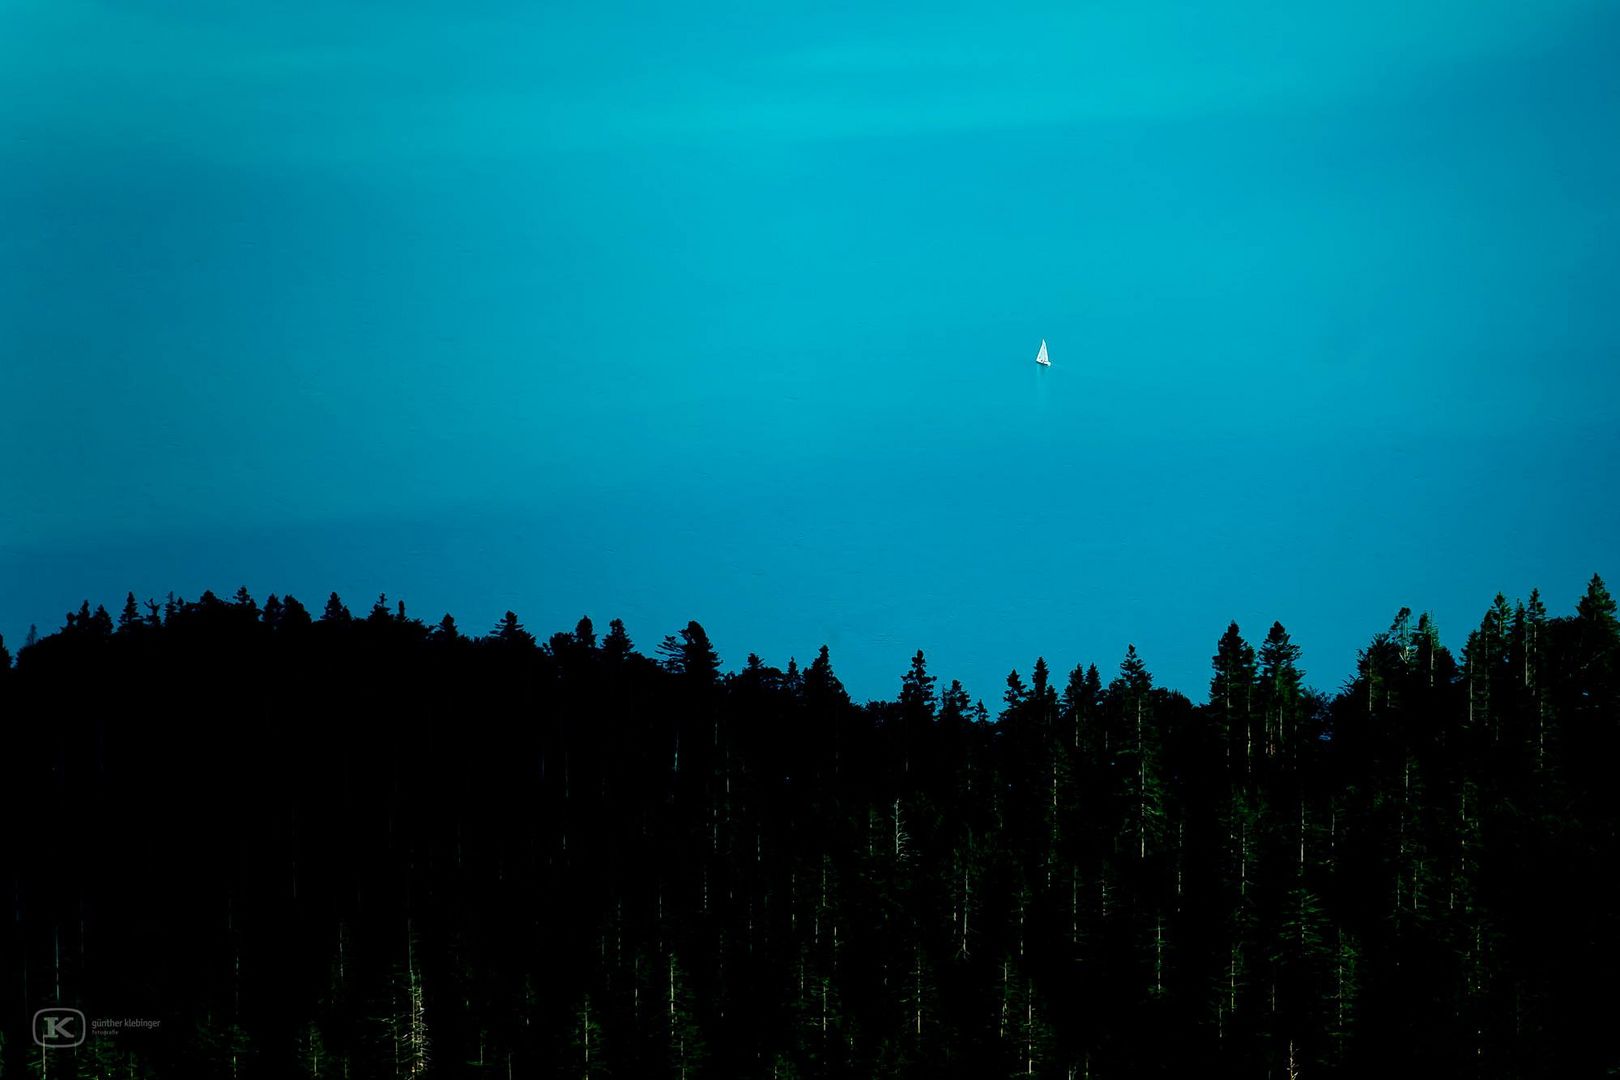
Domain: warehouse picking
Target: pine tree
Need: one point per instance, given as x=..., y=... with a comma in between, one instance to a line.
x=1599, y=640
x=1429, y=651
x=586, y=1041
x=1488, y=664
x=1138, y=752
x=687, y=1050
x=1041, y=692
x=1533, y=676
x=314, y=1061
x=508, y=631
x=335, y=612
x=273, y=611
x=1280, y=697
x=1231, y=694
x=1080, y=702
x=130, y=617
x=954, y=704
x=822, y=690
x=691, y=655
x=616, y=646
x=916, y=706
x=917, y=688
x=412, y=1045
x=1015, y=697
x=294, y=615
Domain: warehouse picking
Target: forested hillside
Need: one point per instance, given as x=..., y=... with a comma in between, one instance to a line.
x=364, y=846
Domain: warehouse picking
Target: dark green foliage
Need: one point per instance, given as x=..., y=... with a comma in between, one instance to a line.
x=375, y=848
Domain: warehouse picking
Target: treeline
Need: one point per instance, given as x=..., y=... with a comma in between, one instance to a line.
x=344, y=846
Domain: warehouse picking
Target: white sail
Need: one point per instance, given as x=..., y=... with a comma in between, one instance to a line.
x=1040, y=357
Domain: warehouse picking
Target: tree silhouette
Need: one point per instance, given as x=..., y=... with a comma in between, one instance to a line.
x=130, y=617
x=385, y=849
x=690, y=654
x=335, y=612
x=510, y=632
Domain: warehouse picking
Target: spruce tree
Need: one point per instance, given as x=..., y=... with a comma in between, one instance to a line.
x=130, y=617
x=1280, y=697
x=1231, y=694
x=510, y=632
x=616, y=646
x=335, y=613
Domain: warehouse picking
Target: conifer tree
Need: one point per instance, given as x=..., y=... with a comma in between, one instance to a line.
x=585, y=633
x=274, y=611
x=691, y=655
x=1232, y=693
x=1280, y=696
x=616, y=646
x=1080, y=701
x=1138, y=752
x=335, y=612
x=1015, y=697
x=1599, y=630
x=917, y=703
x=954, y=704
x=294, y=615
x=130, y=617
x=1533, y=677
x=917, y=688
x=822, y=688
x=508, y=631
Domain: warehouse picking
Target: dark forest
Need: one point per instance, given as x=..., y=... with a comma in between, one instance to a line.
x=295, y=844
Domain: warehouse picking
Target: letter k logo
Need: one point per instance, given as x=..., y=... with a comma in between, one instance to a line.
x=59, y=1028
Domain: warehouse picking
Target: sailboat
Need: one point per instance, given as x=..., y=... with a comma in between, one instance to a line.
x=1040, y=357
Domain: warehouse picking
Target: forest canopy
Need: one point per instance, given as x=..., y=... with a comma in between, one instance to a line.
x=324, y=844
